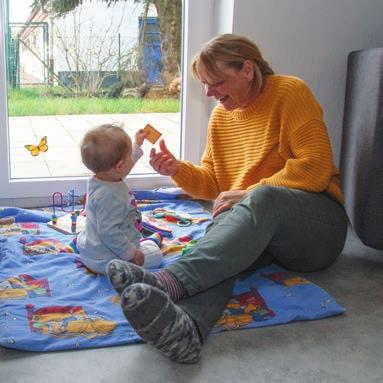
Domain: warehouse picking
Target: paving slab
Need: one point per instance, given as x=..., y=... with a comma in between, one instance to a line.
x=64, y=134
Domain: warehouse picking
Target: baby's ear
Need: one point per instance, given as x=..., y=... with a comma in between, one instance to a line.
x=119, y=165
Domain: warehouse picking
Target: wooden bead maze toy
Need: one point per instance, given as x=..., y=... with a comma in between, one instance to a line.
x=72, y=222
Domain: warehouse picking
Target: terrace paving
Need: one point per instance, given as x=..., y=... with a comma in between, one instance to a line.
x=64, y=134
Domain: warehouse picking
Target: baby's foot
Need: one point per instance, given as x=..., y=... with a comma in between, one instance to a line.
x=123, y=274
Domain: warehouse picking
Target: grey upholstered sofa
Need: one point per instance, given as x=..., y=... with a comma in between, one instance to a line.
x=362, y=145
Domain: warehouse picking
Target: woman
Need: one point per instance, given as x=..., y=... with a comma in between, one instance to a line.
x=268, y=164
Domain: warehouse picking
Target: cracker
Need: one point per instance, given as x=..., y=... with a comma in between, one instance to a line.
x=153, y=135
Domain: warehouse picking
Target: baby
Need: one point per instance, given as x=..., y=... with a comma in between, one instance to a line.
x=113, y=224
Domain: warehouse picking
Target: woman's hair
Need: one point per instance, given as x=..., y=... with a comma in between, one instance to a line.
x=102, y=147
x=232, y=50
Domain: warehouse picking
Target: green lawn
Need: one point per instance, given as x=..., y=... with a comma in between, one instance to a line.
x=40, y=102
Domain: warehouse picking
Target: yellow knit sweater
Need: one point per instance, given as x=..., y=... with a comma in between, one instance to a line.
x=279, y=140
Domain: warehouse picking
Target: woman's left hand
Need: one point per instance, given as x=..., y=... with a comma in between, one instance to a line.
x=164, y=162
x=226, y=200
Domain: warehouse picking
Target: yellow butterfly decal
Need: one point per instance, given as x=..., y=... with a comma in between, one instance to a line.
x=42, y=147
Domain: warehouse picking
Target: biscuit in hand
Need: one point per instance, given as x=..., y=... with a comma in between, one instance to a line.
x=153, y=134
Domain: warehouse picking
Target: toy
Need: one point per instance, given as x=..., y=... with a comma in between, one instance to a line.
x=181, y=219
x=189, y=246
x=152, y=225
x=7, y=221
x=73, y=222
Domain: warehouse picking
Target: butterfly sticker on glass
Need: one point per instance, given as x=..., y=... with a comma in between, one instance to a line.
x=41, y=147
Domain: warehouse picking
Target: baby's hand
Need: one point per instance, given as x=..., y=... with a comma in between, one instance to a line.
x=138, y=258
x=140, y=136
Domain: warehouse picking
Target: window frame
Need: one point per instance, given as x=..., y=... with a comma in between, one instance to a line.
x=194, y=117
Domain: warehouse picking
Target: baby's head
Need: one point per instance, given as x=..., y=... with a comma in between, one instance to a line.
x=104, y=146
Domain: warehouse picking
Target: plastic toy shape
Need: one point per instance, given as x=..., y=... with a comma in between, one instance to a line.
x=70, y=223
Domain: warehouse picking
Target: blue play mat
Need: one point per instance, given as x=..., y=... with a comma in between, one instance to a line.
x=50, y=301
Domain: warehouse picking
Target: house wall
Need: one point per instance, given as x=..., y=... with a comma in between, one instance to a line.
x=32, y=70
x=312, y=39
x=99, y=26
x=91, y=30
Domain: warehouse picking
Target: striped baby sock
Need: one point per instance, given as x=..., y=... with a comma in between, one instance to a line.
x=161, y=323
x=172, y=285
x=123, y=274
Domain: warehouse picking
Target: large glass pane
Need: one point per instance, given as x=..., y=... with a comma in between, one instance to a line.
x=94, y=64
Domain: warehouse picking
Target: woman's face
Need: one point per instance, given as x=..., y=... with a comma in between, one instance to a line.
x=234, y=89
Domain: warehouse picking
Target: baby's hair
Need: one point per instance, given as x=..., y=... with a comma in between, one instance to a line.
x=102, y=147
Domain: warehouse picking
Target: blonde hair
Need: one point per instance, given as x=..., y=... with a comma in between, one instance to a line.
x=102, y=147
x=232, y=50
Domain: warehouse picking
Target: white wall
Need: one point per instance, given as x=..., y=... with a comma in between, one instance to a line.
x=223, y=10
x=196, y=107
x=98, y=26
x=311, y=39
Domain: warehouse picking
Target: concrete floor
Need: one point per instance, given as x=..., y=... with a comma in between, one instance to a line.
x=347, y=348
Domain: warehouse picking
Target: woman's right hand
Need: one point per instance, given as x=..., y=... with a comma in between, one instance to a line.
x=164, y=161
x=226, y=200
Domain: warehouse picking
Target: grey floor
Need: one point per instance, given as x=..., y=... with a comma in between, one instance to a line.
x=347, y=348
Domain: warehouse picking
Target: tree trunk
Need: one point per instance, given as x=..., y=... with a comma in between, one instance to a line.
x=170, y=22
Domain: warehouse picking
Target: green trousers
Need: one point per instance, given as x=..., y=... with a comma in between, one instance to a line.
x=299, y=230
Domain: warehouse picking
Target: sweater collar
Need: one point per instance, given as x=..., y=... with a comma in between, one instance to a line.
x=242, y=114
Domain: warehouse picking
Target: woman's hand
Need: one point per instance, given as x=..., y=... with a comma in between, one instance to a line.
x=139, y=258
x=164, y=162
x=226, y=200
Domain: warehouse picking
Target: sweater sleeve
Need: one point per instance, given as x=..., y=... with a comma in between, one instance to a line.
x=198, y=181
x=311, y=166
x=136, y=152
x=305, y=143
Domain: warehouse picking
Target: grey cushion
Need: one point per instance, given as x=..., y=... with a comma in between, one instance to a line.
x=362, y=145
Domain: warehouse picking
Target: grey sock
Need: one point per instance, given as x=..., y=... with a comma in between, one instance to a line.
x=123, y=274
x=161, y=323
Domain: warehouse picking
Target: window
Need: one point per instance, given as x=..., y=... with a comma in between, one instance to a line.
x=31, y=187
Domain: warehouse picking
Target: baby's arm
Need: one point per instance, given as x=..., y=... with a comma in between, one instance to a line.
x=136, y=152
x=139, y=138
